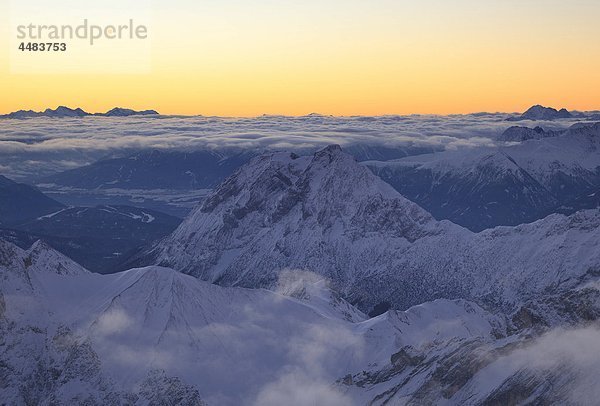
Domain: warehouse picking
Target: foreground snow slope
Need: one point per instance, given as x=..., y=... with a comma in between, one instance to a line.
x=70, y=336
x=330, y=215
x=154, y=336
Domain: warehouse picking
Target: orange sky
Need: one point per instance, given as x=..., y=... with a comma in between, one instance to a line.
x=234, y=58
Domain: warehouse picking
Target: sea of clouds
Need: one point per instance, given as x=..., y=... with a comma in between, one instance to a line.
x=32, y=148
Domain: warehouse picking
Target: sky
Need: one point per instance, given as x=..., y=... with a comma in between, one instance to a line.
x=339, y=57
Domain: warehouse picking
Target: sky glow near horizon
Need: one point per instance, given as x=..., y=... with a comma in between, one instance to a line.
x=247, y=58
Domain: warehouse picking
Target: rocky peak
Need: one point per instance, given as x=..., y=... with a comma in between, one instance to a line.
x=519, y=134
x=40, y=256
x=329, y=153
x=539, y=112
x=280, y=210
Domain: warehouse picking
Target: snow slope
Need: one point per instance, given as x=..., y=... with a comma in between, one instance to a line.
x=147, y=334
x=505, y=185
x=329, y=215
x=155, y=336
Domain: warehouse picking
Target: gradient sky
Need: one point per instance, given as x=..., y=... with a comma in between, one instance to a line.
x=341, y=57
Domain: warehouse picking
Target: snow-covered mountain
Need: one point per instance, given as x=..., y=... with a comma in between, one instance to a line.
x=507, y=185
x=539, y=112
x=508, y=315
x=328, y=214
x=153, y=333
x=520, y=134
x=156, y=336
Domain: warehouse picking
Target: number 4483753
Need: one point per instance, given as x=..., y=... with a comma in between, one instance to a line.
x=43, y=46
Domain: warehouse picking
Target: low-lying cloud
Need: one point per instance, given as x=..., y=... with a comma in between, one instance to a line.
x=52, y=145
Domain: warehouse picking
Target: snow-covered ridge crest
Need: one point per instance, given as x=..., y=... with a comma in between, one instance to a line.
x=154, y=333
x=39, y=259
x=305, y=209
x=328, y=214
x=44, y=258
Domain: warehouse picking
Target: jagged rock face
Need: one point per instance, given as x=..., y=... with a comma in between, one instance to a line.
x=329, y=215
x=323, y=213
x=520, y=134
x=156, y=336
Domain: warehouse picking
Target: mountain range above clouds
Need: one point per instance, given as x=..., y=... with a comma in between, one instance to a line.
x=306, y=277
x=534, y=113
x=537, y=173
x=496, y=317
x=66, y=112
x=329, y=214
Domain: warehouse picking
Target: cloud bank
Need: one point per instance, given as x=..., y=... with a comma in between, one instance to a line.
x=36, y=147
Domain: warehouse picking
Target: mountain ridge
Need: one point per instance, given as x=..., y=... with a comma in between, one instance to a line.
x=64, y=112
x=328, y=214
x=153, y=334
x=539, y=112
x=511, y=184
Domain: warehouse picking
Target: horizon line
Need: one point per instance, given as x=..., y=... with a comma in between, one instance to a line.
x=100, y=113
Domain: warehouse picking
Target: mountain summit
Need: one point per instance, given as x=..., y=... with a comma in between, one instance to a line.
x=285, y=211
x=539, y=112
x=328, y=214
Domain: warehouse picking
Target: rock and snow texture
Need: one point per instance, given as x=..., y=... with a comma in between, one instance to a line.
x=508, y=185
x=520, y=134
x=504, y=316
x=323, y=213
x=329, y=215
x=153, y=336
x=70, y=336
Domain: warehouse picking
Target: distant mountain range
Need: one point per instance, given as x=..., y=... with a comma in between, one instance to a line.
x=170, y=181
x=534, y=113
x=520, y=134
x=63, y=112
x=540, y=172
x=201, y=169
x=479, y=188
x=542, y=113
